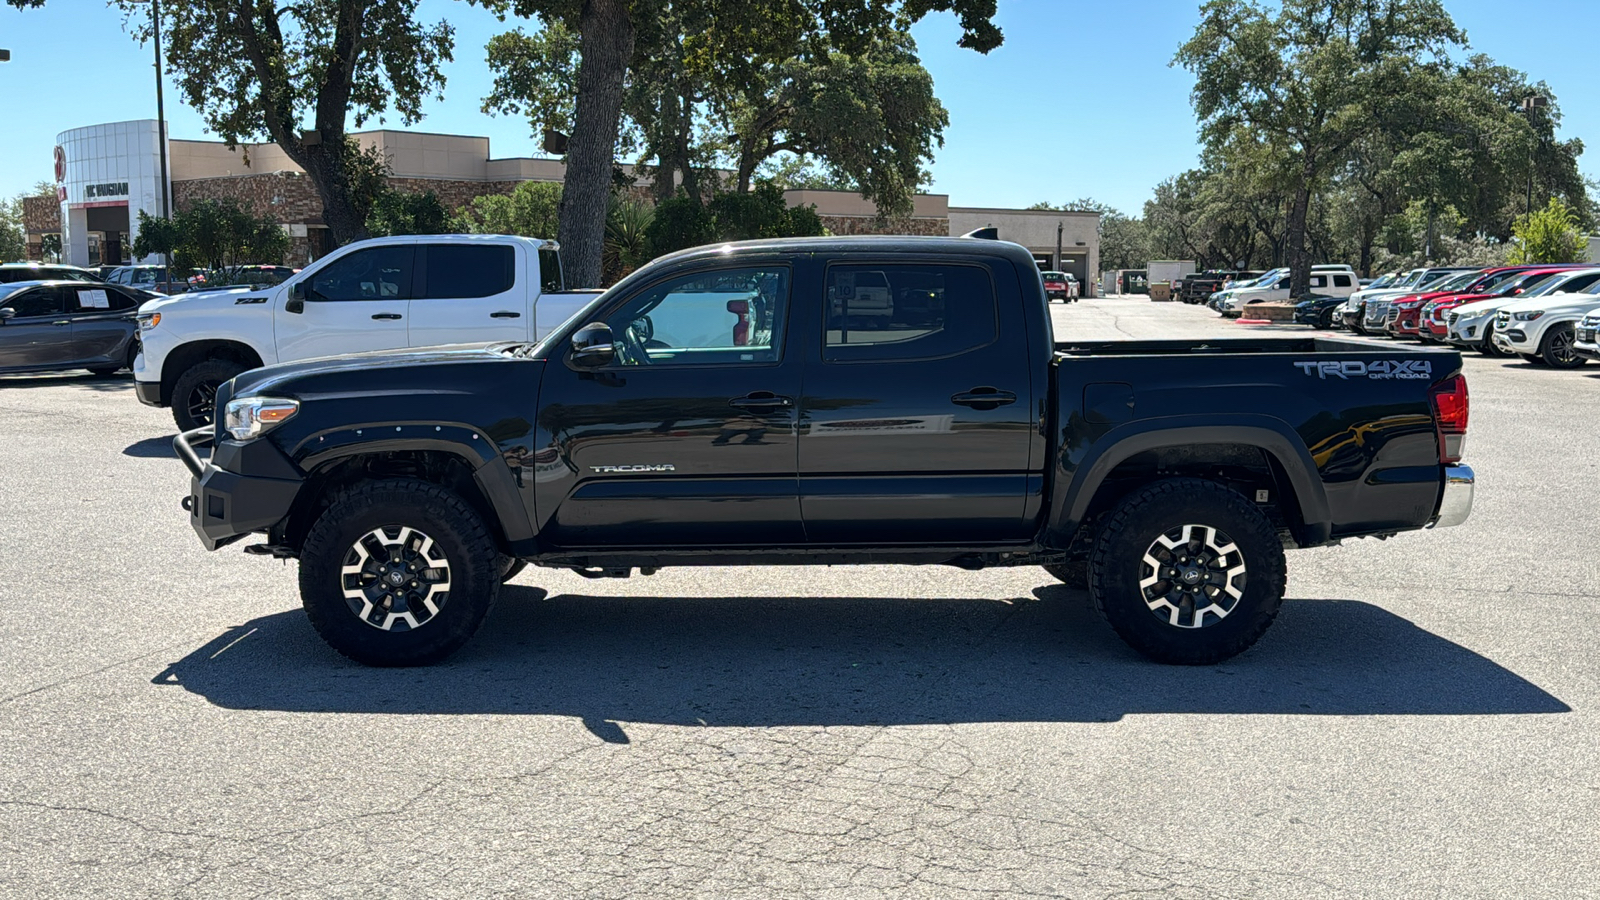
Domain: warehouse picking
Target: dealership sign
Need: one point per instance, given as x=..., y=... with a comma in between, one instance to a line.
x=61, y=174
x=109, y=189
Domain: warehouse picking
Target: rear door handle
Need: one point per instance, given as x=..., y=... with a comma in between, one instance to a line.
x=761, y=400
x=386, y=315
x=505, y=314
x=984, y=398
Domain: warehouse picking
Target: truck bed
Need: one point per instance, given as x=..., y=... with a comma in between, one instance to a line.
x=1230, y=346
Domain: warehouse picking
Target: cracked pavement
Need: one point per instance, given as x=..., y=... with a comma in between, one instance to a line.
x=1420, y=722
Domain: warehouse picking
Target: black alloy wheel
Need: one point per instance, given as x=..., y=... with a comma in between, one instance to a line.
x=194, y=396
x=1557, y=350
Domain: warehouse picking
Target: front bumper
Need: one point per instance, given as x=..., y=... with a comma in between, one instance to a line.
x=1456, y=504
x=224, y=506
x=148, y=392
x=1587, y=350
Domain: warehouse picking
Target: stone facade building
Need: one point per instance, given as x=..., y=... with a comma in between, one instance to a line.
x=107, y=174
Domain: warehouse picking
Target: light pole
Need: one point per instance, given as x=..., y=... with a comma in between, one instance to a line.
x=1529, y=104
x=161, y=110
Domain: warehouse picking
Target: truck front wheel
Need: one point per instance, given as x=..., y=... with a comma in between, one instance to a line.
x=1187, y=571
x=194, y=394
x=398, y=573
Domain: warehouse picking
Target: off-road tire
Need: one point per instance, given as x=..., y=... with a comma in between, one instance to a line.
x=200, y=376
x=1074, y=574
x=1550, y=348
x=457, y=531
x=1128, y=532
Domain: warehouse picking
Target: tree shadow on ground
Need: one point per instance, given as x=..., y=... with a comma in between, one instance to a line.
x=825, y=661
x=122, y=381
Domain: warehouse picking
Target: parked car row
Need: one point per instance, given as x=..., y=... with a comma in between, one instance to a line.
x=1536, y=312
x=1273, y=287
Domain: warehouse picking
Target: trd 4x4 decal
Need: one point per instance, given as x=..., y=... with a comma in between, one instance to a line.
x=1382, y=369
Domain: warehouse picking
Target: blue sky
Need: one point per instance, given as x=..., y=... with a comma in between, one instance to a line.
x=1080, y=101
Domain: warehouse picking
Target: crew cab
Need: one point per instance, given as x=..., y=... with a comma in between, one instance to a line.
x=381, y=294
x=1166, y=477
x=1326, y=281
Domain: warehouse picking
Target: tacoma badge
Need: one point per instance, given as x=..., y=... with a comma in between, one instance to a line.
x=616, y=470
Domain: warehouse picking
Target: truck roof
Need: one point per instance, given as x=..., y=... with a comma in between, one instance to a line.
x=866, y=243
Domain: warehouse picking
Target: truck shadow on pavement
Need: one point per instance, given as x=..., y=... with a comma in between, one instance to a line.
x=749, y=661
x=152, y=448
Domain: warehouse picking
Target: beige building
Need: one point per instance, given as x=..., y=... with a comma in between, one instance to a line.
x=99, y=200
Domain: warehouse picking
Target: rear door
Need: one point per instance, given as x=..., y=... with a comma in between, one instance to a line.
x=39, y=333
x=917, y=429
x=102, y=322
x=689, y=438
x=469, y=292
x=356, y=302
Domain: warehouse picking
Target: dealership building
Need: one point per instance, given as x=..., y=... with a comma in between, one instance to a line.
x=106, y=175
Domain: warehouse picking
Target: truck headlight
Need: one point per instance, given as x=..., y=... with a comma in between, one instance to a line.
x=250, y=417
x=149, y=321
x=1528, y=316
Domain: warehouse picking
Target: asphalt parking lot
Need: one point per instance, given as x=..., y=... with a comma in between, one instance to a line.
x=1421, y=721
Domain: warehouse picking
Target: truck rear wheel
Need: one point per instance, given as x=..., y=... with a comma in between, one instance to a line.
x=398, y=573
x=194, y=395
x=1187, y=571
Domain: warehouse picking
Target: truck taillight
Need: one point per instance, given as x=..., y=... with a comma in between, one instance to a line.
x=1450, y=417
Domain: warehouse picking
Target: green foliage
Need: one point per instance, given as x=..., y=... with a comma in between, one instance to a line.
x=627, y=237
x=50, y=246
x=680, y=223
x=683, y=222
x=792, y=172
x=532, y=209
x=212, y=234
x=296, y=73
x=1548, y=235
x=13, y=237
x=407, y=212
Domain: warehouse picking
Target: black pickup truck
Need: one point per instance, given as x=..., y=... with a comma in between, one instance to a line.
x=828, y=401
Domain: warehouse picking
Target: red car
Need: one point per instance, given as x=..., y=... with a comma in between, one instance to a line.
x=1431, y=316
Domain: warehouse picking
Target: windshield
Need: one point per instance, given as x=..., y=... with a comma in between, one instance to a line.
x=1459, y=283
x=1429, y=280
x=1523, y=280
x=1054, y=276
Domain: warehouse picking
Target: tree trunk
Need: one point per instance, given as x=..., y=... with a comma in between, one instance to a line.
x=607, y=49
x=328, y=175
x=1295, y=237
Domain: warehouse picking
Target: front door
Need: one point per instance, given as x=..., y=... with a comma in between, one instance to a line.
x=916, y=427
x=356, y=302
x=38, y=333
x=102, y=322
x=689, y=437
x=469, y=293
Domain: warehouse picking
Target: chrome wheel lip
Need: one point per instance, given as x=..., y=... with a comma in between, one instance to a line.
x=1192, y=576
x=395, y=578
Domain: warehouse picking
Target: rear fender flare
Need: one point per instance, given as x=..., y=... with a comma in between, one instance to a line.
x=489, y=471
x=1274, y=436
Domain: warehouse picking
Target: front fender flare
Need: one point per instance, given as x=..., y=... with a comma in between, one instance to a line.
x=489, y=471
x=1070, y=504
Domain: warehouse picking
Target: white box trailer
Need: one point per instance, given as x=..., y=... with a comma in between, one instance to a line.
x=1169, y=270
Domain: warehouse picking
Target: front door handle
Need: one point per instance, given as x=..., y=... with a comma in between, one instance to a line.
x=761, y=400
x=62, y=322
x=386, y=315
x=505, y=314
x=984, y=398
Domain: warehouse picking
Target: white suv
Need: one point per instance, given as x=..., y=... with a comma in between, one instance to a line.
x=380, y=294
x=1327, y=281
x=1544, y=329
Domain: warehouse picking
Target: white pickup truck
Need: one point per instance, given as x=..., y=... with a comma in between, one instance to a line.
x=379, y=294
x=1325, y=280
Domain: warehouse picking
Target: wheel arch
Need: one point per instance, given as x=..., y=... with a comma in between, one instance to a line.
x=187, y=355
x=1094, y=485
x=476, y=474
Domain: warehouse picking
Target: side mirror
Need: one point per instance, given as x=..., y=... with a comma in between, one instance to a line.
x=593, y=346
x=6, y=314
x=297, y=298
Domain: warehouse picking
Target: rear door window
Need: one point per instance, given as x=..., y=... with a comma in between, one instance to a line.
x=1341, y=281
x=468, y=270
x=933, y=311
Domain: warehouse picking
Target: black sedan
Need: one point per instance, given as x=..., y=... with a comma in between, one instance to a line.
x=51, y=325
x=1320, y=312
